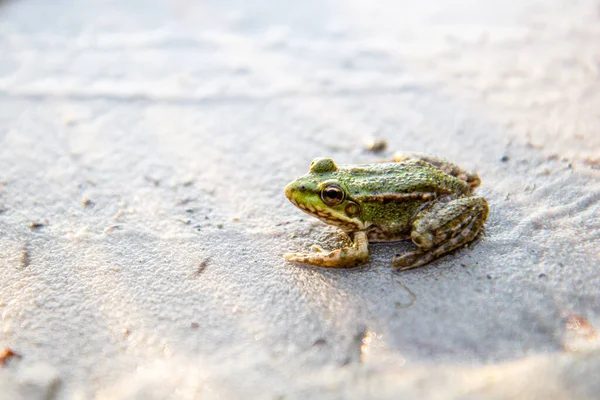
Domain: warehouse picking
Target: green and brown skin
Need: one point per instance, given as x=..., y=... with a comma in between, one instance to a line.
x=419, y=197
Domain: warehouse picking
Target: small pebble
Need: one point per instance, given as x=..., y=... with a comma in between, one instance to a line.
x=86, y=202
x=376, y=145
x=36, y=225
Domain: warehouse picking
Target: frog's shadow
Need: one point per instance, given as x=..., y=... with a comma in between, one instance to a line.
x=377, y=292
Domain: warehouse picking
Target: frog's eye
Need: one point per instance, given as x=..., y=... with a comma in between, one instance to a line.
x=332, y=195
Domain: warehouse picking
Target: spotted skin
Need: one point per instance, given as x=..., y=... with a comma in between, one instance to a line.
x=419, y=197
x=433, y=242
x=472, y=179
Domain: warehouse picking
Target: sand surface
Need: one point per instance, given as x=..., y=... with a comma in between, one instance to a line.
x=144, y=147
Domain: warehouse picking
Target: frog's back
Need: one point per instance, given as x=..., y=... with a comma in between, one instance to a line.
x=391, y=194
x=409, y=177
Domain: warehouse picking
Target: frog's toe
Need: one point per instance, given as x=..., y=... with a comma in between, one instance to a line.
x=296, y=257
x=307, y=258
x=410, y=260
x=316, y=248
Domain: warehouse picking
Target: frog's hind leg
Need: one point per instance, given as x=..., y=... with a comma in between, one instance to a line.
x=443, y=227
x=448, y=167
x=345, y=257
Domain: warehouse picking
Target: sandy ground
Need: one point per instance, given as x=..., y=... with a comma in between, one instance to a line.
x=144, y=146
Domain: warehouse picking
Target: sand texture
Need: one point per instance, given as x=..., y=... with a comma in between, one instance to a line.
x=144, y=148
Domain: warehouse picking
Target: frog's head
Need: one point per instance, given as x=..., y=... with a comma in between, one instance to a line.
x=321, y=194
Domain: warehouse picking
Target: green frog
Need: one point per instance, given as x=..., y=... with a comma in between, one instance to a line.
x=420, y=197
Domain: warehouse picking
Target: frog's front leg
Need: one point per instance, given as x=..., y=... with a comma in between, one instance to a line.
x=448, y=167
x=442, y=227
x=350, y=256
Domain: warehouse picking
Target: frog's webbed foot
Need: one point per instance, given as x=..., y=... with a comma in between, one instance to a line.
x=448, y=167
x=350, y=256
x=443, y=227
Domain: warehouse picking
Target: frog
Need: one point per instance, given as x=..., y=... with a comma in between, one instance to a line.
x=415, y=196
